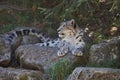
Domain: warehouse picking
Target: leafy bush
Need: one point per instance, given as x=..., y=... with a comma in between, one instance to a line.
x=60, y=70
x=97, y=15
x=7, y=27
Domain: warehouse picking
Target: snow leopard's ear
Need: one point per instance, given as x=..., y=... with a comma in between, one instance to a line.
x=73, y=23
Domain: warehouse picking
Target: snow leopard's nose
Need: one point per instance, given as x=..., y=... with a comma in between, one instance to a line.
x=62, y=34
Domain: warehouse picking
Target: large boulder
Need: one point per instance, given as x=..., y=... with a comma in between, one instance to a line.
x=36, y=57
x=105, y=51
x=5, y=51
x=82, y=73
x=20, y=74
x=29, y=40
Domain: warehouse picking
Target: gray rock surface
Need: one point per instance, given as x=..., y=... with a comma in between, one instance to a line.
x=82, y=73
x=5, y=52
x=35, y=57
x=20, y=74
x=30, y=40
x=104, y=51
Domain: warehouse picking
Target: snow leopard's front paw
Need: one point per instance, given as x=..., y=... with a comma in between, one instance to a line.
x=61, y=53
x=63, y=50
x=77, y=52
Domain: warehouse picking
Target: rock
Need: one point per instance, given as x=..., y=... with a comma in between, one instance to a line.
x=105, y=51
x=5, y=51
x=30, y=40
x=36, y=57
x=82, y=73
x=20, y=74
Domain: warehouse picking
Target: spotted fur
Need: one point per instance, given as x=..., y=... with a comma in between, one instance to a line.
x=72, y=38
x=11, y=36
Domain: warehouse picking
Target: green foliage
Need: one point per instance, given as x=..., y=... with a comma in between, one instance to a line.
x=60, y=70
x=83, y=10
x=24, y=18
x=88, y=13
x=115, y=63
x=87, y=48
x=99, y=37
x=7, y=18
x=51, y=31
x=7, y=28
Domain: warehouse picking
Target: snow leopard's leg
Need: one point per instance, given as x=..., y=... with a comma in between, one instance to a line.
x=63, y=48
x=78, y=49
x=77, y=52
